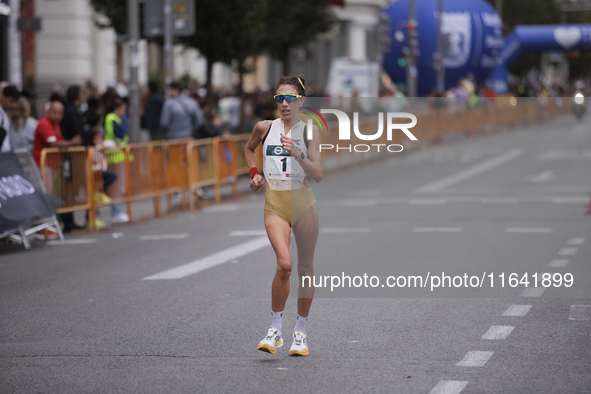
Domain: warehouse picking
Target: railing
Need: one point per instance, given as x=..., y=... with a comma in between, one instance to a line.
x=154, y=169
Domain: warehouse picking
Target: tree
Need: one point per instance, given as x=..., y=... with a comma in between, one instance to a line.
x=289, y=24
x=227, y=31
x=115, y=11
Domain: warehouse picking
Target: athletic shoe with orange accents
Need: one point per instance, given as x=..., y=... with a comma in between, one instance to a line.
x=272, y=341
x=299, y=347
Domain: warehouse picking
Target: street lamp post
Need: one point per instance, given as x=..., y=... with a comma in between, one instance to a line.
x=134, y=93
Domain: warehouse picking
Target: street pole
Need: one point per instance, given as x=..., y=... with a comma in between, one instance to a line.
x=411, y=68
x=439, y=60
x=499, y=8
x=134, y=93
x=167, y=44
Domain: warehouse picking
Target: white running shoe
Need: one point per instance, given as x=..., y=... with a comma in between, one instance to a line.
x=272, y=341
x=121, y=218
x=299, y=347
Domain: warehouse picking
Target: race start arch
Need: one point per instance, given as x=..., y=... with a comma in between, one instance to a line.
x=537, y=38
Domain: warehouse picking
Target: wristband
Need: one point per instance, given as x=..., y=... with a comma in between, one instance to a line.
x=253, y=172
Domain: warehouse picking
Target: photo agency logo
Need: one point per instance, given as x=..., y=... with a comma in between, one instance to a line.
x=344, y=134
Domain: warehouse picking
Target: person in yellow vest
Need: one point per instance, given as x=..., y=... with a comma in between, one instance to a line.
x=116, y=130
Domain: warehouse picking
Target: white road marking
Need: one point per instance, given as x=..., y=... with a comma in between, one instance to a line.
x=212, y=260
x=221, y=208
x=558, y=263
x=576, y=241
x=469, y=172
x=436, y=229
x=498, y=332
x=499, y=200
x=282, y=369
x=533, y=292
x=344, y=230
x=448, y=387
x=529, y=230
x=567, y=251
x=365, y=193
x=428, y=201
x=517, y=310
x=247, y=233
x=358, y=203
x=475, y=359
x=570, y=200
x=580, y=312
x=163, y=236
x=352, y=341
x=79, y=241
x=543, y=177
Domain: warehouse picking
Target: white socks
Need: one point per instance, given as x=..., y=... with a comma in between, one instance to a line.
x=300, y=324
x=276, y=320
x=277, y=317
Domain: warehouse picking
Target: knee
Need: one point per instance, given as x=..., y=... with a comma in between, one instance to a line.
x=284, y=267
x=305, y=271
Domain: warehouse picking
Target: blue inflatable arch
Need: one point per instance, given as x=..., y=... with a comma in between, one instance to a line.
x=537, y=38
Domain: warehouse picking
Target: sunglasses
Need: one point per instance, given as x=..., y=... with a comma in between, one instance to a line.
x=290, y=98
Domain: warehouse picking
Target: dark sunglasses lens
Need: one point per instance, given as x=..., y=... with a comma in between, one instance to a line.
x=291, y=99
x=279, y=98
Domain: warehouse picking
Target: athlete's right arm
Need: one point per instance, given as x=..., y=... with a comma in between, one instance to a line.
x=249, y=152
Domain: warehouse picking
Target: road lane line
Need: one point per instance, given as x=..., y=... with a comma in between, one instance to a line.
x=567, y=251
x=221, y=208
x=475, y=359
x=499, y=200
x=427, y=201
x=558, y=263
x=532, y=230
x=448, y=387
x=359, y=203
x=213, y=260
x=496, y=333
x=533, y=292
x=576, y=241
x=247, y=233
x=436, y=229
x=469, y=172
x=517, y=310
x=580, y=312
x=79, y=241
x=163, y=236
x=570, y=200
x=344, y=230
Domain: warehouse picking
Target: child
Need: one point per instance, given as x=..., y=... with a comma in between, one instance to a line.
x=99, y=163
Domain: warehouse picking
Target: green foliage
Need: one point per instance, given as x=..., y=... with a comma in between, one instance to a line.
x=294, y=23
x=115, y=11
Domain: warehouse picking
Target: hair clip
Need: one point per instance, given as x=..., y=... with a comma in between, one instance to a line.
x=303, y=87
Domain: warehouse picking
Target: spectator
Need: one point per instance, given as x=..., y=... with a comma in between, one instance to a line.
x=181, y=115
x=22, y=125
x=8, y=100
x=153, y=112
x=116, y=130
x=72, y=123
x=48, y=133
x=99, y=164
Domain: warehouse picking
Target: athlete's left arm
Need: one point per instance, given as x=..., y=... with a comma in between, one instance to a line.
x=312, y=164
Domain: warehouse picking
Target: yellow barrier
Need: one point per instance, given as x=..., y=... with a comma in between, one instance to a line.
x=151, y=170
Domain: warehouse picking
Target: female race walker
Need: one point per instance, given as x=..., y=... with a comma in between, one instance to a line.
x=288, y=159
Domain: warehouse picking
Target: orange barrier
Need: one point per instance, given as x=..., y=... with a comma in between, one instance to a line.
x=154, y=169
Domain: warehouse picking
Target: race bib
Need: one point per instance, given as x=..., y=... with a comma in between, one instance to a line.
x=280, y=165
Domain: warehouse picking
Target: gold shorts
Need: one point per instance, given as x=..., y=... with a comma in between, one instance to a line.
x=289, y=204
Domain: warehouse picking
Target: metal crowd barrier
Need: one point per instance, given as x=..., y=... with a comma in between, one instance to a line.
x=154, y=169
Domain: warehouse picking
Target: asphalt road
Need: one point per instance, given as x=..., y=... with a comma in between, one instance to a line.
x=174, y=305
